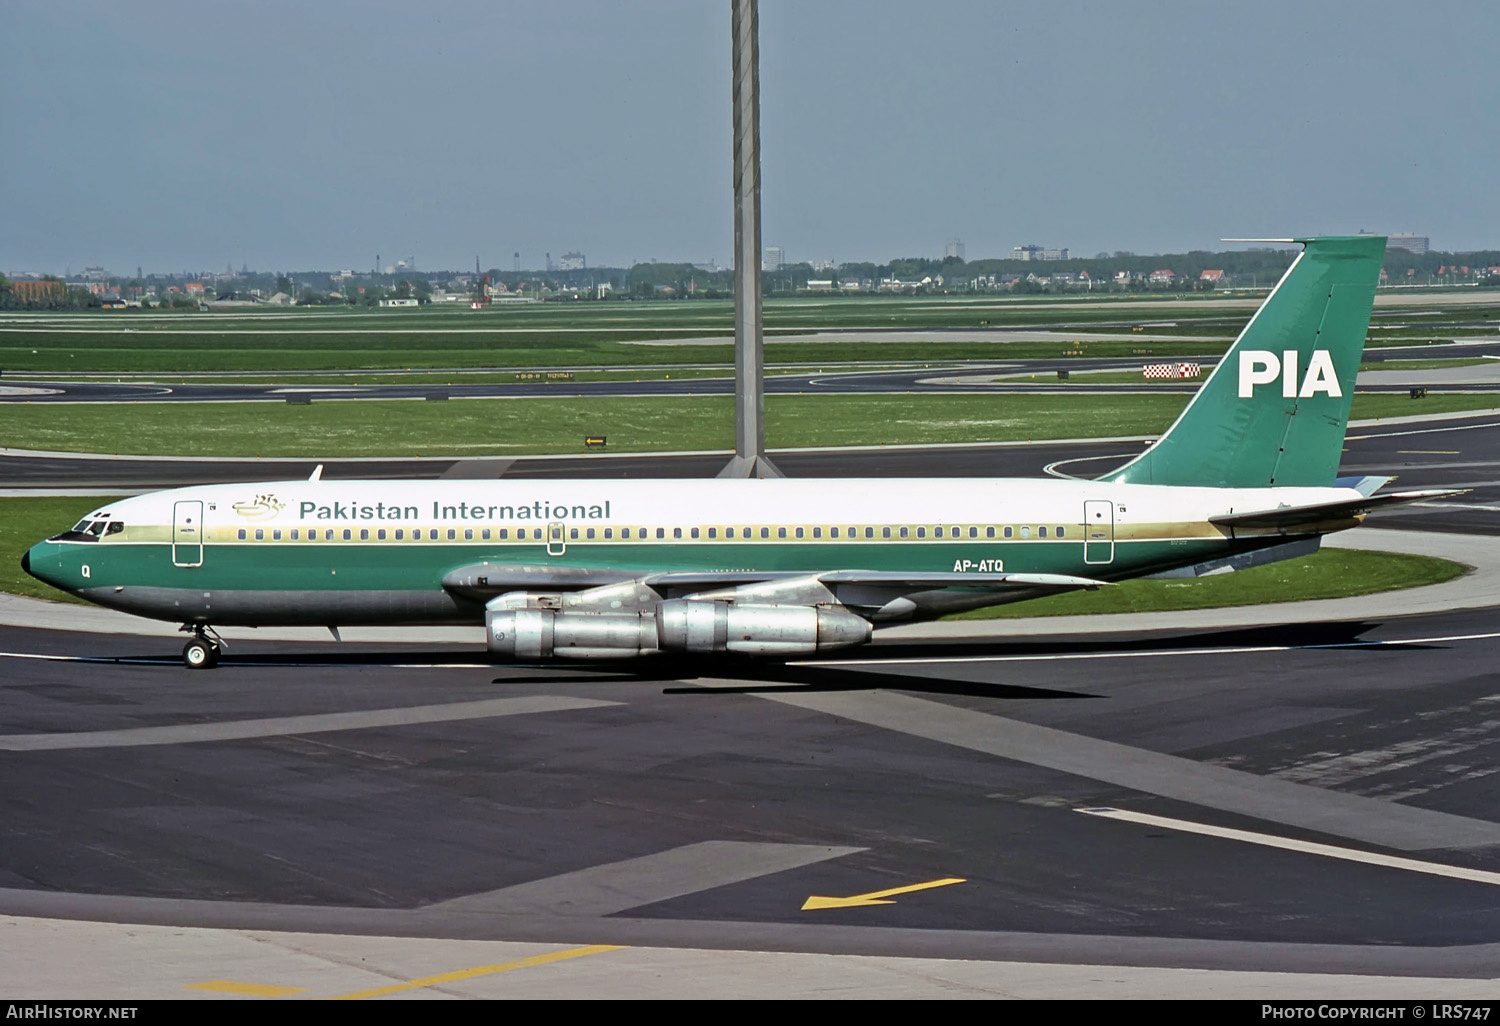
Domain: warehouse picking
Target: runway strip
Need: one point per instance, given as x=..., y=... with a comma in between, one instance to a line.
x=235, y=730
x=618, y=886
x=1279, y=801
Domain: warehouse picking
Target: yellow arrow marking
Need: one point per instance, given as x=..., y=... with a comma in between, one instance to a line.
x=875, y=897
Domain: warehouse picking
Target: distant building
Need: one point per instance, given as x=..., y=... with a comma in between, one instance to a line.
x=398, y=302
x=773, y=259
x=1037, y=253
x=953, y=248
x=38, y=291
x=572, y=262
x=1162, y=277
x=1417, y=244
x=1216, y=277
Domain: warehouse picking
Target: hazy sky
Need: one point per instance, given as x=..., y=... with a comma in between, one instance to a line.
x=194, y=134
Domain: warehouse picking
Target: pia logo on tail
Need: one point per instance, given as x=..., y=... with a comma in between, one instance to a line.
x=1262, y=367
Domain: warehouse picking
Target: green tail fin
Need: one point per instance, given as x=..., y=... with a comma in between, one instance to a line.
x=1274, y=410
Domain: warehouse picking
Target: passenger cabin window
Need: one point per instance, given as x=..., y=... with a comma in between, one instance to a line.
x=242, y=534
x=348, y=534
x=1059, y=532
x=260, y=534
x=1041, y=532
x=904, y=532
x=573, y=534
x=1025, y=532
x=1008, y=532
x=676, y=532
x=694, y=532
x=364, y=534
x=661, y=532
x=989, y=532
x=781, y=532
x=380, y=534
x=609, y=532
x=713, y=532
x=799, y=532
x=765, y=532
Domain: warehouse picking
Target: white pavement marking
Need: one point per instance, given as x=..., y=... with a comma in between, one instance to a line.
x=235, y=730
x=1155, y=653
x=1292, y=844
x=618, y=886
x=1368, y=820
x=1424, y=431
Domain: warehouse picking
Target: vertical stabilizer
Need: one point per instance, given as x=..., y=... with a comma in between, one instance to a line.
x=1274, y=410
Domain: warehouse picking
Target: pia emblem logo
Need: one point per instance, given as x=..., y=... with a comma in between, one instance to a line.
x=262, y=507
x=1262, y=367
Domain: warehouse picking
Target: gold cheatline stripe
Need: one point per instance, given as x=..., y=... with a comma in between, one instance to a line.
x=483, y=970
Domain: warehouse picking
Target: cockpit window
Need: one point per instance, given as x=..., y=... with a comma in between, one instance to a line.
x=97, y=528
x=115, y=527
x=82, y=525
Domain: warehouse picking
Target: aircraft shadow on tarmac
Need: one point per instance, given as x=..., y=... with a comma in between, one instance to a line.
x=844, y=670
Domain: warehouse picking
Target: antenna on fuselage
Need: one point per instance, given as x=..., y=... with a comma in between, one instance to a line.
x=317, y=474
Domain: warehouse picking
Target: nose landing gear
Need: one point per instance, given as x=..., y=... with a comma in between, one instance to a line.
x=202, y=653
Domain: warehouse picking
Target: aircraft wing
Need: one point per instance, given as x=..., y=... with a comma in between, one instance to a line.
x=984, y=581
x=483, y=581
x=1291, y=517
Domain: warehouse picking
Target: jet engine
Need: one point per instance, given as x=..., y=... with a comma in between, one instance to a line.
x=678, y=625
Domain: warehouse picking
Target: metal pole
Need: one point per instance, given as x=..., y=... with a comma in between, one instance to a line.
x=749, y=403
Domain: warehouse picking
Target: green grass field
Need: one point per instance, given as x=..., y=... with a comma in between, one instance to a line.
x=469, y=427
x=1331, y=573
x=563, y=335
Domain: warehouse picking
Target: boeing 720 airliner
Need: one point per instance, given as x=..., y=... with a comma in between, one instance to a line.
x=615, y=569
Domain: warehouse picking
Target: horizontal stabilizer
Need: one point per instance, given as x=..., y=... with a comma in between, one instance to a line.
x=1363, y=485
x=1319, y=512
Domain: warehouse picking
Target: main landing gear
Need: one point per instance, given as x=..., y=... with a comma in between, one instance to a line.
x=202, y=653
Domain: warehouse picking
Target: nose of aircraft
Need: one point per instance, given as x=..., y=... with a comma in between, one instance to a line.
x=42, y=562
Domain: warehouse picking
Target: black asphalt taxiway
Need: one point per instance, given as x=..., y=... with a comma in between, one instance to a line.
x=1309, y=797
x=1314, y=798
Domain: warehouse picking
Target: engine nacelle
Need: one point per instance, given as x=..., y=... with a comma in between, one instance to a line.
x=698, y=625
x=545, y=634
